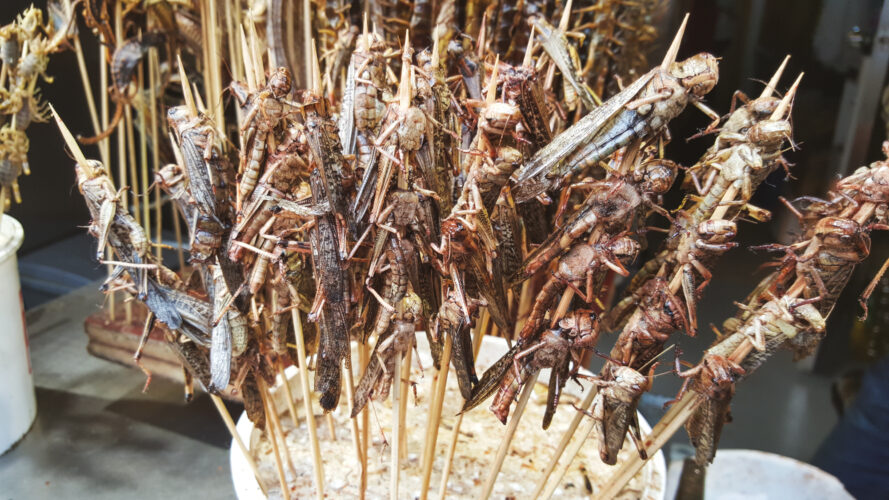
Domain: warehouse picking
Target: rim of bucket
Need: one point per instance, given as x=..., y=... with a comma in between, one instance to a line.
x=11, y=237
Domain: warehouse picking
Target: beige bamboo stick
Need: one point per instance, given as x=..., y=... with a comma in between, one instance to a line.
x=153, y=85
x=270, y=432
x=317, y=464
x=397, y=431
x=484, y=321
x=331, y=426
x=563, y=443
x=88, y=93
x=234, y=61
x=230, y=425
x=143, y=157
x=122, y=142
x=307, y=37
x=215, y=95
x=434, y=416
x=288, y=396
x=404, y=386
x=506, y=441
x=364, y=360
x=105, y=151
x=350, y=395
x=277, y=428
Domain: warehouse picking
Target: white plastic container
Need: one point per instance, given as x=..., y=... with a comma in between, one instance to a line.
x=17, y=403
x=758, y=475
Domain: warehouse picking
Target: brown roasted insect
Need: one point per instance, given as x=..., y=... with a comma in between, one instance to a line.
x=614, y=408
x=331, y=300
x=451, y=321
x=610, y=205
x=640, y=111
x=711, y=237
x=714, y=379
x=580, y=269
x=556, y=349
x=14, y=147
x=229, y=334
x=267, y=109
x=206, y=169
x=659, y=314
x=396, y=341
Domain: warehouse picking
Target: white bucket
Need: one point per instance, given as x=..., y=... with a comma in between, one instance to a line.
x=17, y=403
x=759, y=475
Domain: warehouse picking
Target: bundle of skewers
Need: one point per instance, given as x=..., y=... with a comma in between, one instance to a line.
x=366, y=173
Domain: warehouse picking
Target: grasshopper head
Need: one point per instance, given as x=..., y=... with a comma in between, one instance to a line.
x=698, y=74
x=280, y=82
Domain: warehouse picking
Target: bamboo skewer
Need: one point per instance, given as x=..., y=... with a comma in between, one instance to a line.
x=88, y=93
x=364, y=360
x=506, y=442
x=434, y=416
x=153, y=85
x=143, y=159
x=230, y=425
x=277, y=427
x=274, y=431
x=563, y=443
x=397, y=432
x=350, y=396
x=282, y=478
x=484, y=321
x=404, y=386
x=288, y=396
x=317, y=464
x=331, y=426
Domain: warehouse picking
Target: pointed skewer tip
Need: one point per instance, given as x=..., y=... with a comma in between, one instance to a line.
x=492, y=83
x=186, y=87
x=784, y=105
x=773, y=82
x=69, y=140
x=670, y=57
x=566, y=14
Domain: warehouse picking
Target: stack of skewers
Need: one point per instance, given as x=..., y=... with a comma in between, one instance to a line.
x=475, y=174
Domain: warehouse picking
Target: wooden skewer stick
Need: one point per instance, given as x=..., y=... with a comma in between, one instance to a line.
x=773, y=82
x=506, y=442
x=276, y=424
x=317, y=464
x=434, y=416
x=364, y=360
x=484, y=321
x=397, y=431
x=785, y=103
x=153, y=85
x=350, y=397
x=122, y=144
x=105, y=153
x=670, y=56
x=288, y=396
x=404, y=387
x=580, y=435
x=230, y=425
x=88, y=93
x=566, y=438
x=331, y=426
x=270, y=432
